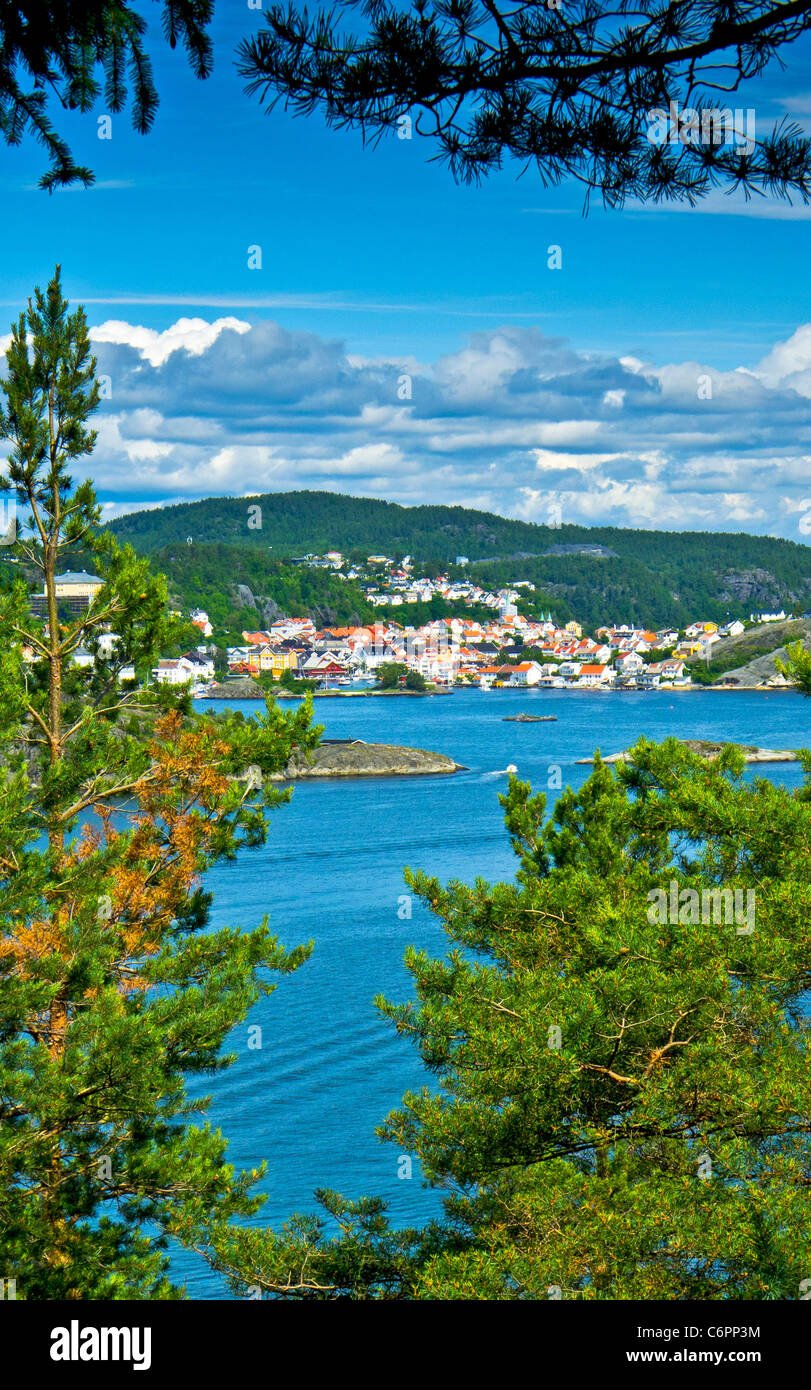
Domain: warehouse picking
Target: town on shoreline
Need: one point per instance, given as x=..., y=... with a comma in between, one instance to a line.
x=509, y=650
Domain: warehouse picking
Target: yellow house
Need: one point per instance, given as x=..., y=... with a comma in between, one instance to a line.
x=77, y=585
x=277, y=662
x=75, y=590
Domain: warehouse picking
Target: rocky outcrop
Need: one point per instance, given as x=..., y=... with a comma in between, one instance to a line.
x=244, y=597
x=710, y=751
x=748, y=585
x=529, y=718
x=245, y=688
x=358, y=759
x=760, y=670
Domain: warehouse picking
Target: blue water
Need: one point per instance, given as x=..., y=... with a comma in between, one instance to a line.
x=330, y=1067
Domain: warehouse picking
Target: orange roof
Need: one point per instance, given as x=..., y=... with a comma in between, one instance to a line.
x=591, y=670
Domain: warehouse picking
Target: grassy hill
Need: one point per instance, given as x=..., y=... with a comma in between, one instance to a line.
x=653, y=577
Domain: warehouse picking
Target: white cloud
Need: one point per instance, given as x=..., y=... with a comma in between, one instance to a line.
x=789, y=363
x=547, y=461
x=227, y=407
x=190, y=335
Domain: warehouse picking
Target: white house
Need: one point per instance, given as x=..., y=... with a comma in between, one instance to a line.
x=202, y=666
x=674, y=670
x=650, y=678
x=200, y=619
x=526, y=673
x=178, y=672
x=594, y=674
x=630, y=663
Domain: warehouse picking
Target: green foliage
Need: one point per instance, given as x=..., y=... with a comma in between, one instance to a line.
x=415, y=681
x=60, y=56
x=113, y=803
x=206, y=575
x=437, y=607
x=620, y=1097
x=798, y=667
x=390, y=674
x=298, y=684
x=569, y=90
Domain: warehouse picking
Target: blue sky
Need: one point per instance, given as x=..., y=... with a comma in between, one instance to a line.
x=374, y=263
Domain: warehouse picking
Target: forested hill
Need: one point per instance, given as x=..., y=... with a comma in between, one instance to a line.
x=653, y=577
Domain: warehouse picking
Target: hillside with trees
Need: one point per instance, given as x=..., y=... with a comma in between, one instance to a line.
x=653, y=577
x=240, y=587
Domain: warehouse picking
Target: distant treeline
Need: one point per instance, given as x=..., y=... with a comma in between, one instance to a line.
x=658, y=577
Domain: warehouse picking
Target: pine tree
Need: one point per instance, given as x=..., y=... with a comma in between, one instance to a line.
x=114, y=799
x=798, y=666
x=75, y=53
x=631, y=102
x=622, y=1099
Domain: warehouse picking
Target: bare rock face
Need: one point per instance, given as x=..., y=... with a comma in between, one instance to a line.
x=244, y=597
x=359, y=759
x=761, y=668
x=323, y=615
x=757, y=586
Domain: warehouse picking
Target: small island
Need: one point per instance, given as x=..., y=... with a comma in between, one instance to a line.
x=355, y=758
x=710, y=751
x=528, y=718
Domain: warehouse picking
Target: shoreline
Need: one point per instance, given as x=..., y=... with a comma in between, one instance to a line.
x=518, y=689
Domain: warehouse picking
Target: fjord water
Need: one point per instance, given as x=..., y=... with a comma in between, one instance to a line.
x=330, y=1067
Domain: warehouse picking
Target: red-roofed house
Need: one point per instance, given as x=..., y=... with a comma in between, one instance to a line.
x=595, y=675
